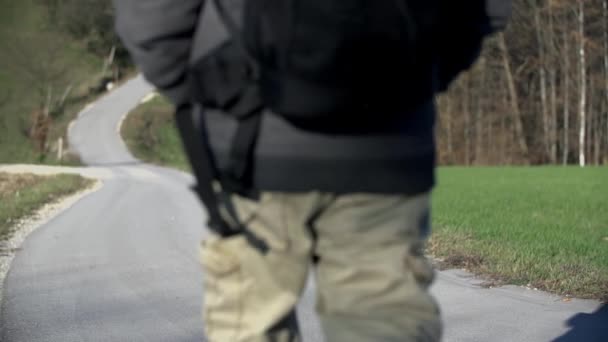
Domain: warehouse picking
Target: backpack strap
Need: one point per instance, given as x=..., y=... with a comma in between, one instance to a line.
x=247, y=110
x=203, y=166
x=239, y=176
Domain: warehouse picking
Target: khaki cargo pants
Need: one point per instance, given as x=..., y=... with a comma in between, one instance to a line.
x=372, y=277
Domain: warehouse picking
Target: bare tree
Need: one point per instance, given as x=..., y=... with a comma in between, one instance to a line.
x=449, y=124
x=479, y=105
x=42, y=62
x=539, y=92
x=514, y=97
x=39, y=58
x=466, y=111
x=605, y=59
x=552, y=70
x=542, y=73
x=566, y=109
x=582, y=109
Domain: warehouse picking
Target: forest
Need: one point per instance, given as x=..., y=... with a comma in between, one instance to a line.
x=539, y=93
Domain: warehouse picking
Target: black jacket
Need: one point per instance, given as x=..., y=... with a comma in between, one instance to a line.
x=395, y=155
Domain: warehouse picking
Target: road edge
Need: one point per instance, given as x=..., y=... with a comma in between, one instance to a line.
x=25, y=227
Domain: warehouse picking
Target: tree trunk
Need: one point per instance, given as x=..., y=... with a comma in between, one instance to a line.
x=517, y=117
x=480, y=94
x=542, y=76
x=553, y=117
x=552, y=89
x=605, y=158
x=65, y=95
x=108, y=61
x=605, y=45
x=503, y=131
x=466, y=110
x=449, y=123
x=48, y=102
x=591, y=122
x=597, y=142
x=490, y=138
x=566, y=86
x=583, y=84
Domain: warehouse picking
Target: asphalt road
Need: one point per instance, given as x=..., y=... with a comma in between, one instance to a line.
x=121, y=264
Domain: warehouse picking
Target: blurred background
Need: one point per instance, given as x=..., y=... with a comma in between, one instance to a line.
x=55, y=56
x=538, y=95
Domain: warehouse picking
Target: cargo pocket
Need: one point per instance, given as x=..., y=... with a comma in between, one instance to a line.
x=225, y=285
x=216, y=256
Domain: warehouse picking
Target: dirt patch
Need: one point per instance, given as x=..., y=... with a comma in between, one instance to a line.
x=462, y=260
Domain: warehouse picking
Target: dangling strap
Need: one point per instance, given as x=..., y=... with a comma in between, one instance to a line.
x=203, y=166
x=238, y=178
x=242, y=154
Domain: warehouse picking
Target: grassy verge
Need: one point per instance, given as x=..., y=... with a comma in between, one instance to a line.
x=150, y=134
x=546, y=227
x=22, y=194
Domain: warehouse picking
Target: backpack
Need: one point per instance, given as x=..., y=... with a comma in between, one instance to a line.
x=320, y=61
x=329, y=61
x=323, y=64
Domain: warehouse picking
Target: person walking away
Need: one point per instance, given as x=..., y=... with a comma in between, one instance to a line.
x=315, y=122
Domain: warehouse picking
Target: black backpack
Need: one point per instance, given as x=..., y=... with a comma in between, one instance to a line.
x=323, y=61
x=319, y=61
x=326, y=64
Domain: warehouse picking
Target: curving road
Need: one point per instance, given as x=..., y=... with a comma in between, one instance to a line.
x=121, y=265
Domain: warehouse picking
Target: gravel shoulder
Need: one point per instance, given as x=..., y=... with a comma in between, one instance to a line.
x=87, y=172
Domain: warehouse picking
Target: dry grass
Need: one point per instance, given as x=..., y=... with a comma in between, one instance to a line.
x=150, y=133
x=22, y=194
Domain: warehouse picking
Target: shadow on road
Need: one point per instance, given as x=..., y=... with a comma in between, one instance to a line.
x=591, y=327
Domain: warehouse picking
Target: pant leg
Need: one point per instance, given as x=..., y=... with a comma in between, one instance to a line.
x=372, y=276
x=251, y=294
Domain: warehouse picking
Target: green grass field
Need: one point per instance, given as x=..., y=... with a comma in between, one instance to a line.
x=546, y=227
x=22, y=195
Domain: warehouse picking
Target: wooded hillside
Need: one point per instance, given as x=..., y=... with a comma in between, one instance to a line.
x=538, y=95
x=55, y=56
